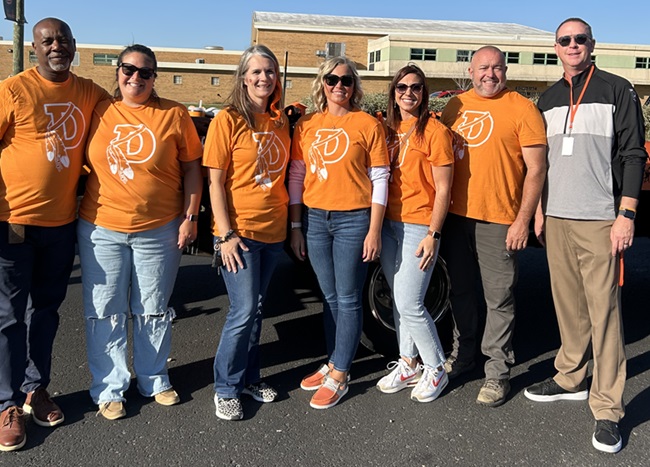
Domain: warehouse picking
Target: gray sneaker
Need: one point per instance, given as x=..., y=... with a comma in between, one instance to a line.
x=493, y=392
x=228, y=408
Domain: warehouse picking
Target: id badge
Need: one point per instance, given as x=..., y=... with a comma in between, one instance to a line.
x=567, y=146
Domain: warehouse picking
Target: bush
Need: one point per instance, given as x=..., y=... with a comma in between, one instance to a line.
x=646, y=117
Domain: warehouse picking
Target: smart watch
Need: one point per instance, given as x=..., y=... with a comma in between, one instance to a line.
x=192, y=217
x=434, y=233
x=628, y=213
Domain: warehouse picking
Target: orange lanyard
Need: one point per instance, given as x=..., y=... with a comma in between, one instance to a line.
x=574, y=108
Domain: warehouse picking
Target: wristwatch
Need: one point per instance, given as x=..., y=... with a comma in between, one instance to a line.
x=192, y=217
x=628, y=213
x=296, y=225
x=434, y=233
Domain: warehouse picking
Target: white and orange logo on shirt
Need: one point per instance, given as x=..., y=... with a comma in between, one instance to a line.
x=134, y=144
x=272, y=158
x=330, y=146
x=65, y=131
x=476, y=127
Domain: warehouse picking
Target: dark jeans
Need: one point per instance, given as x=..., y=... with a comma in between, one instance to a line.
x=34, y=278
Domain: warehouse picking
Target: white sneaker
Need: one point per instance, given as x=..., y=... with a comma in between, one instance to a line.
x=401, y=376
x=431, y=385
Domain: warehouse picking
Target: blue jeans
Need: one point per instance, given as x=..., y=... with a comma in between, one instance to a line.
x=34, y=278
x=335, y=249
x=237, y=361
x=122, y=272
x=416, y=331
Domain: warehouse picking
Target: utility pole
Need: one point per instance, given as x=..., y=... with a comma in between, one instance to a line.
x=19, y=37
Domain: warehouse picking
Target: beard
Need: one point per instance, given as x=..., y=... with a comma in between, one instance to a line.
x=58, y=65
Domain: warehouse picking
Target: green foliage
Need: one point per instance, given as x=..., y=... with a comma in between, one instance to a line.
x=378, y=102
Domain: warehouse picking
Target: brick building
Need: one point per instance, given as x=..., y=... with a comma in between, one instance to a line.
x=379, y=47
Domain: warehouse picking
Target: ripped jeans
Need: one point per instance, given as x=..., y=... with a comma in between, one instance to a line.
x=128, y=275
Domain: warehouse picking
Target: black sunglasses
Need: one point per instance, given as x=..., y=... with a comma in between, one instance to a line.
x=129, y=70
x=415, y=87
x=580, y=39
x=333, y=80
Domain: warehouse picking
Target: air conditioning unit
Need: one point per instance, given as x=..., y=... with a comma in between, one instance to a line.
x=200, y=60
x=321, y=54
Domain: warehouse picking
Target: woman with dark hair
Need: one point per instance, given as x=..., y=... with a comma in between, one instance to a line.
x=246, y=151
x=421, y=157
x=339, y=169
x=137, y=215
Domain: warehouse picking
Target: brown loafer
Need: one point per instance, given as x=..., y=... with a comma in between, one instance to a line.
x=43, y=409
x=12, y=429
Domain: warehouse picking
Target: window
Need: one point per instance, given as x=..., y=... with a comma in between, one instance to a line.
x=545, y=59
x=288, y=84
x=32, y=57
x=512, y=57
x=200, y=60
x=463, y=55
x=642, y=62
x=378, y=56
x=335, y=49
x=214, y=81
x=177, y=79
x=104, y=59
x=424, y=54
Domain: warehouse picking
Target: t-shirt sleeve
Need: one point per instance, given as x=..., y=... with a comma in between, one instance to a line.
x=190, y=147
x=377, y=149
x=440, y=146
x=296, y=142
x=531, y=127
x=6, y=109
x=218, y=142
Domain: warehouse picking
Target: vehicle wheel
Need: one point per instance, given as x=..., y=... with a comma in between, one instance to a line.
x=378, y=324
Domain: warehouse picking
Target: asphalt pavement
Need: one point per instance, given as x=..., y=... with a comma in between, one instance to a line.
x=367, y=427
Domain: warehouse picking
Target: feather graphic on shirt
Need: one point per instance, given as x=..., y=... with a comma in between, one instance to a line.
x=133, y=144
x=330, y=146
x=271, y=158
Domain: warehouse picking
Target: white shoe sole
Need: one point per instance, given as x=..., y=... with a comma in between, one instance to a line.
x=605, y=447
x=567, y=396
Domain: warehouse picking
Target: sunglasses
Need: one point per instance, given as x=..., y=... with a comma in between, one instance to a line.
x=580, y=39
x=333, y=80
x=130, y=70
x=415, y=87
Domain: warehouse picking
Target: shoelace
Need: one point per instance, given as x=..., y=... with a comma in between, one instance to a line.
x=11, y=418
x=492, y=384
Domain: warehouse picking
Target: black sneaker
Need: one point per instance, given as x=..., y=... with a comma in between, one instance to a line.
x=607, y=437
x=549, y=391
x=455, y=368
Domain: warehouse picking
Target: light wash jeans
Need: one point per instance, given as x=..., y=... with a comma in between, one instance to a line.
x=124, y=272
x=335, y=249
x=416, y=331
x=237, y=362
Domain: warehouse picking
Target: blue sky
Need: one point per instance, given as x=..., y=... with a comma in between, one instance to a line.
x=198, y=23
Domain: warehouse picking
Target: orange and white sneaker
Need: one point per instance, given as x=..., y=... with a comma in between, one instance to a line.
x=314, y=381
x=329, y=394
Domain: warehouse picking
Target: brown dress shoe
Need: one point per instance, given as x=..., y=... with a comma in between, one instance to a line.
x=12, y=429
x=43, y=409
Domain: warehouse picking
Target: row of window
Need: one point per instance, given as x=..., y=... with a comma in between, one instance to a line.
x=511, y=57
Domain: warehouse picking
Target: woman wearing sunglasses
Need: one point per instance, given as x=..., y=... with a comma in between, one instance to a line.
x=137, y=215
x=422, y=159
x=339, y=170
x=247, y=152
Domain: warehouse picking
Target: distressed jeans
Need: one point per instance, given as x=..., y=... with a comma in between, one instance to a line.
x=128, y=275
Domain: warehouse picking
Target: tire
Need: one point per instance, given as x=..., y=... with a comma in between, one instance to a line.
x=378, y=325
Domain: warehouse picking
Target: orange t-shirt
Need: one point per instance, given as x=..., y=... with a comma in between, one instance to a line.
x=43, y=126
x=135, y=155
x=412, y=190
x=338, y=152
x=489, y=171
x=255, y=163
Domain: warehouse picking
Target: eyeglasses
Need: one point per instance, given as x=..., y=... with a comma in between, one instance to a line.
x=333, y=80
x=580, y=39
x=415, y=87
x=129, y=70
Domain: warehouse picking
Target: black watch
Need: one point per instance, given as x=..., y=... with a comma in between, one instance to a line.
x=630, y=214
x=434, y=233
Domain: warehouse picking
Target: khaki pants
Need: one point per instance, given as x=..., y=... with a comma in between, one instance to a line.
x=584, y=280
